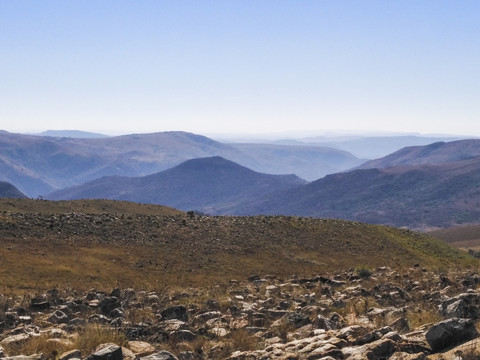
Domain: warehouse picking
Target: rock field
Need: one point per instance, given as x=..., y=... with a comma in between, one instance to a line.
x=355, y=314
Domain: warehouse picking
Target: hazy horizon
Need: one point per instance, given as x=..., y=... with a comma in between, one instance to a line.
x=254, y=137
x=240, y=67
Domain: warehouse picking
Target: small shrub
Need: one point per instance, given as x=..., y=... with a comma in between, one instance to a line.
x=364, y=272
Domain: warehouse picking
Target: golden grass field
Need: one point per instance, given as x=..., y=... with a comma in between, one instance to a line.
x=106, y=244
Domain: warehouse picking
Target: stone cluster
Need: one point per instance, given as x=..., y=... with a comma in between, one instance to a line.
x=383, y=314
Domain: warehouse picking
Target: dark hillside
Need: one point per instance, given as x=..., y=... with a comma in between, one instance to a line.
x=7, y=190
x=423, y=196
x=211, y=185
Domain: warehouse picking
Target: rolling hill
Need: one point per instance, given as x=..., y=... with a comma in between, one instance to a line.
x=416, y=196
x=38, y=165
x=436, y=153
x=212, y=185
x=156, y=248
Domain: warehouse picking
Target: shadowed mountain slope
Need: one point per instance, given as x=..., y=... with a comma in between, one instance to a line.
x=421, y=196
x=39, y=165
x=436, y=153
x=7, y=190
x=211, y=185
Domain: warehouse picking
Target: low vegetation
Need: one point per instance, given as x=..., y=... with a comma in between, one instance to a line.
x=248, y=286
x=81, y=244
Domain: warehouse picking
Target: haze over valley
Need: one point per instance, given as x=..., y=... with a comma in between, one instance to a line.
x=239, y=180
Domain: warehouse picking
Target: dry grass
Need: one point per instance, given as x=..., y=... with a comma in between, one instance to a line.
x=135, y=248
x=94, y=206
x=420, y=316
x=242, y=340
x=87, y=340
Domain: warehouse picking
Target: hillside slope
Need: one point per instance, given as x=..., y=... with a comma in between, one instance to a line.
x=210, y=185
x=421, y=197
x=154, y=251
x=436, y=153
x=7, y=190
x=39, y=165
x=373, y=147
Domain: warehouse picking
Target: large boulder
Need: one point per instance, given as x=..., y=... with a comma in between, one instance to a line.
x=178, y=312
x=108, y=304
x=465, y=305
x=110, y=352
x=58, y=317
x=450, y=332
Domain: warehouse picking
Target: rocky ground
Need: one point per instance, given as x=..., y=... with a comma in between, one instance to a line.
x=355, y=314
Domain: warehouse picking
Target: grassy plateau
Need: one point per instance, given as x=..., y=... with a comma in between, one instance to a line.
x=107, y=244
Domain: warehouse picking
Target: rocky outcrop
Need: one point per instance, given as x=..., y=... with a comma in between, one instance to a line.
x=340, y=316
x=451, y=332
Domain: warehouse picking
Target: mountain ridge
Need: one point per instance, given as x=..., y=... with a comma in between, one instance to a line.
x=8, y=190
x=420, y=196
x=211, y=185
x=39, y=165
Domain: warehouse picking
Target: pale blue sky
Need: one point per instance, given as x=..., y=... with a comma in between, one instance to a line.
x=240, y=66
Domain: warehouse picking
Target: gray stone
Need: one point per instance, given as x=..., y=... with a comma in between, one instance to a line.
x=203, y=317
x=108, y=304
x=178, y=312
x=77, y=322
x=98, y=319
x=15, y=340
x=321, y=322
x=161, y=355
x=297, y=319
x=465, y=305
x=58, y=317
x=213, y=305
x=450, y=332
x=72, y=354
x=182, y=335
x=110, y=352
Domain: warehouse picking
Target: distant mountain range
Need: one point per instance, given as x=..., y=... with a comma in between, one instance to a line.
x=419, y=187
x=7, y=190
x=436, y=153
x=38, y=165
x=72, y=134
x=421, y=195
x=212, y=185
x=372, y=147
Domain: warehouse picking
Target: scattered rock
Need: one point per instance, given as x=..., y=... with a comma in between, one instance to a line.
x=178, y=312
x=161, y=355
x=109, y=352
x=450, y=332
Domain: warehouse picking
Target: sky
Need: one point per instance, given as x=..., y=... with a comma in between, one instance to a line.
x=240, y=66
